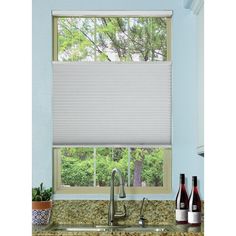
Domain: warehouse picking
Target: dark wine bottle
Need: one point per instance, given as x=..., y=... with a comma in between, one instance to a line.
x=194, y=212
x=181, y=203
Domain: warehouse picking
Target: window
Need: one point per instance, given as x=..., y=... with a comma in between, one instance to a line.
x=88, y=170
x=105, y=114
x=112, y=39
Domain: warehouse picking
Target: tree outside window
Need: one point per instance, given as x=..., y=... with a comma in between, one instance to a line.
x=112, y=39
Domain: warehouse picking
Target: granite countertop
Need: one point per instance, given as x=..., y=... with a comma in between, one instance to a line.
x=83, y=212
x=181, y=230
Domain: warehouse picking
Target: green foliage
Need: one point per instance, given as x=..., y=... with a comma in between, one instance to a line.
x=152, y=165
x=77, y=171
x=78, y=165
x=107, y=160
x=41, y=194
x=152, y=172
x=112, y=39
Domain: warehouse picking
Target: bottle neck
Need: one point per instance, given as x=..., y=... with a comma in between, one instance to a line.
x=182, y=187
x=195, y=189
x=182, y=179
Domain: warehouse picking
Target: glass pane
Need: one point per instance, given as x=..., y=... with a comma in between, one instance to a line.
x=77, y=166
x=106, y=160
x=146, y=167
x=148, y=39
x=112, y=39
x=76, y=39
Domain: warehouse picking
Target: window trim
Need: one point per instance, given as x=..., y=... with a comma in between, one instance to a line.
x=167, y=167
x=58, y=189
x=58, y=14
x=169, y=37
x=54, y=38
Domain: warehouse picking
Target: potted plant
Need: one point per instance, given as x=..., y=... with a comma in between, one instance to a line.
x=41, y=205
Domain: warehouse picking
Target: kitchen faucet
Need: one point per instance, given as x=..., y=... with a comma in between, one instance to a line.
x=142, y=221
x=112, y=214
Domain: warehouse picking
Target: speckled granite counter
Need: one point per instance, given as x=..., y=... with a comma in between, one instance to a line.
x=117, y=234
x=92, y=212
x=189, y=231
x=95, y=212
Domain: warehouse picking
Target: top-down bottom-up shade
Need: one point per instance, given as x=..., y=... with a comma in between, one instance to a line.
x=96, y=103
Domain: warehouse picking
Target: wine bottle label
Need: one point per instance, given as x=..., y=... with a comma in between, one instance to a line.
x=182, y=205
x=181, y=215
x=194, y=217
x=194, y=207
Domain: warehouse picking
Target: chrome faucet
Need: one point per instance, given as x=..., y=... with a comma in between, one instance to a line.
x=142, y=221
x=112, y=214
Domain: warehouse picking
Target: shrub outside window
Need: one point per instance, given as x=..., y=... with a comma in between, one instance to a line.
x=88, y=170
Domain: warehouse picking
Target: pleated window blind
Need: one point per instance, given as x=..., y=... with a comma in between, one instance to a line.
x=111, y=103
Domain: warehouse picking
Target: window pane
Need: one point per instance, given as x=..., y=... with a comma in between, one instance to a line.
x=108, y=159
x=76, y=39
x=112, y=39
x=77, y=166
x=146, y=167
x=148, y=39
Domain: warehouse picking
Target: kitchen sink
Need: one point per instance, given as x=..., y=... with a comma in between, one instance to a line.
x=105, y=228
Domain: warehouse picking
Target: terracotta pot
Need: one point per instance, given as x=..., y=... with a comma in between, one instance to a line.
x=41, y=212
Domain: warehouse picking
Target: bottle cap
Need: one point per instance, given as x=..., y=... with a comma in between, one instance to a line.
x=194, y=179
x=182, y=178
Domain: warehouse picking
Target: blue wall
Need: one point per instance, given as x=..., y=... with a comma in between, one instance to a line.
x=184, y=55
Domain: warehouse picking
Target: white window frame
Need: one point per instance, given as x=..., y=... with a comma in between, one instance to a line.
x=167, y=168
x=57, y=14
x=60, y=189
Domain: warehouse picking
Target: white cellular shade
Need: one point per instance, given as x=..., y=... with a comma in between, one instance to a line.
x=108, y=103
